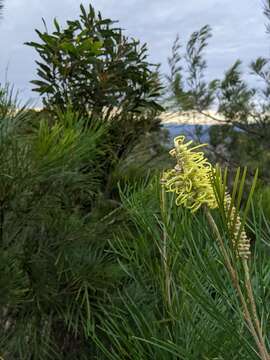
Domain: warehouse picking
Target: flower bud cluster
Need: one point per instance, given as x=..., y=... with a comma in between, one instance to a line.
x=241, y=242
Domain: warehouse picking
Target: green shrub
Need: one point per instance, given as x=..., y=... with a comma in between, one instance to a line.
x=91, y=65
x=54, y=269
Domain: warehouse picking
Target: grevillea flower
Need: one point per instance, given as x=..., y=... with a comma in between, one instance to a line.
x=190, y=179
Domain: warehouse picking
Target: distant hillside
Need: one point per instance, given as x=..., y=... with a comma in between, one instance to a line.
x=192, y=118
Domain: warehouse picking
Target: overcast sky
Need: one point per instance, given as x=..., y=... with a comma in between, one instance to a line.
x=238, y=30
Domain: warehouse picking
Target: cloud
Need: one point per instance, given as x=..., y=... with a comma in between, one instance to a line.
x=238, y=30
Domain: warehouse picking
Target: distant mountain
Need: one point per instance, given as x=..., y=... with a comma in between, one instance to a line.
x=195, y=132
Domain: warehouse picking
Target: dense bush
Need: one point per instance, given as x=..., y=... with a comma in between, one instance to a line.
x=54, y=270
x=91, y=65
x=58, y=208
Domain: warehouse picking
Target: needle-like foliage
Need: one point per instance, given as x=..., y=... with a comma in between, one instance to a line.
x=178, y=301
x=53, y=267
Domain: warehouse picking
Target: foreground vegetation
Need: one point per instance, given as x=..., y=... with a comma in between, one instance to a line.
x=86, y=275
x=110, y=247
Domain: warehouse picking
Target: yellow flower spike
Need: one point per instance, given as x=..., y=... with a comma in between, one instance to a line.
x=190, y=179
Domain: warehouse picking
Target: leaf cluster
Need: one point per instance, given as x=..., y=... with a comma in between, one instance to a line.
x=91, y=65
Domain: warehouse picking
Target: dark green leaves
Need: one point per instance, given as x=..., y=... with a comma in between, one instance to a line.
x=91, y=65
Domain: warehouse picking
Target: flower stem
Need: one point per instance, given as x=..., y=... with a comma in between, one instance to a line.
x=254, y=330
x=250, y=294
x=164, y=252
